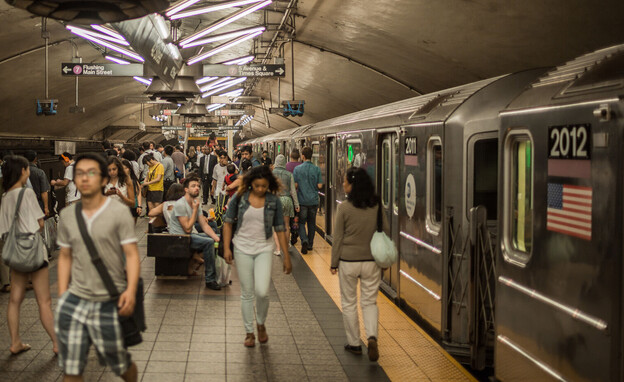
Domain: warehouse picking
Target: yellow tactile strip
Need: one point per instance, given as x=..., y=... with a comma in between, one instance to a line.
x=407, y=353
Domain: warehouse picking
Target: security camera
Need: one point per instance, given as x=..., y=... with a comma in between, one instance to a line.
x=46, y=106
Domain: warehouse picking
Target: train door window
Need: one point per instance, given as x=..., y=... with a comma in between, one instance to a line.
x=518, y=198
x=395, y=176
x=434, y=185
x=485, y=175
x=354, y=153
x=316, y=147
x=385, y=172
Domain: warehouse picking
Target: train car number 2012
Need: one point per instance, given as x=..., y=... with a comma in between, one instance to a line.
x=569, y=142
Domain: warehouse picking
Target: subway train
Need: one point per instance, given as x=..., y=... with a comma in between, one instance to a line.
x=505, y=199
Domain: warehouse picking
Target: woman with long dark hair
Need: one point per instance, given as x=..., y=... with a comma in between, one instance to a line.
x=15, y=173
x=136, y=188
x=118, y=186
x=355, y=224
x=257, y=211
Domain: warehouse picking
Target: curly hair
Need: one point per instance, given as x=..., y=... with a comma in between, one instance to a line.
x=259, y=172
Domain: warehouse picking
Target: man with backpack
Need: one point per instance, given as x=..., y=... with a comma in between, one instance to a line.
x=72, y=195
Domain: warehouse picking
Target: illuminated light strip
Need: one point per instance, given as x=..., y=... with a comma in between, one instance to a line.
x=223, y=36
x=222, y=47
x=239, y=61
x=217, y=90
x=110, y=46
x=205, y=79
x=410, y=278
x=421, y=243
x=180, y=6
x=117, y=60
x=242, y=13
x=233, y=93
x=540, y=364
x=102, y=36
x=214, y=84
x=108, y=31
x=575, y=313
x=214, y=106
x=212, y=8
x=142, y=80
x=338, y=201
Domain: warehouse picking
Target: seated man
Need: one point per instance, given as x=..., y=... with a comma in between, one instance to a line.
x=186, y=213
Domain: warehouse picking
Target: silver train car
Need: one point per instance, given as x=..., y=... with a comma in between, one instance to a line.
x=504, y=198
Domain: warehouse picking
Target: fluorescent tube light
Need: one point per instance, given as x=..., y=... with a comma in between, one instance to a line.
x=142, y=80
x=108, y=31
x=222, y=47
x=230, y=19
x=225, y=86
x=223, y=36
x=233, y=93
x=213, y=8
x=214, y=84
x=161, y=26
x=179, y=6
x=102, y=36
x=214, y=106
x=109, y=45
x=205, y=79
x=117, y=60
x=239, y=61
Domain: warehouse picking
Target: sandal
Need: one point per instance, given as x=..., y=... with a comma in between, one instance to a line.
x=250, y=340
x=262, y=334
x=25, y=348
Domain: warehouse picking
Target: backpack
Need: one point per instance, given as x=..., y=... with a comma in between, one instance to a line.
x=220, y=209
x=178, y=174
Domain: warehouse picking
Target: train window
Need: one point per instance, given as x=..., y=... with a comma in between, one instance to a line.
x=354, y=153
x=485, y=175
x=518, y=198
x=385, y=172
x=434, y=185
x=395, y=176
x=316, y=147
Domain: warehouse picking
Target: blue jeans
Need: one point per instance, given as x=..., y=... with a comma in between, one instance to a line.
x=307, y=214
x=202, y=242
x=212, y=224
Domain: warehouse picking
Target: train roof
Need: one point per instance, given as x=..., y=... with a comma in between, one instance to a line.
x=593, y=75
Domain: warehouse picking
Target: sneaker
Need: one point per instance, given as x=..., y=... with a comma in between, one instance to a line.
x=304, y=248
x=250, y=340
x=213, y=285
x=353, y=349
x=373, y=350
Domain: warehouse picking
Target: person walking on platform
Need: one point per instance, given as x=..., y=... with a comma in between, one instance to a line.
x=39, y=182
x=218, y=177
x=351, y=258
x=287, y=195
x=308, y=181
x=15, y=173
x=206, y=166
x=246, y=154
x=294, y=160
x=86, y=313
x=257, y=211
x=154, y=181
x=169, y=167
x=72, y=195
x=266, y=160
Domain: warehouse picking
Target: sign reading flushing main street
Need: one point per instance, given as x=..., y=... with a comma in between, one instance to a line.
x=256, y=70
x=101, y=70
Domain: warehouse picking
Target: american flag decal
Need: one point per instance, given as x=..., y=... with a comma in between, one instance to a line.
x=570, y=210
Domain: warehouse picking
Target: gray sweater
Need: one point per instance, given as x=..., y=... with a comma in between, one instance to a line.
x=353, y=231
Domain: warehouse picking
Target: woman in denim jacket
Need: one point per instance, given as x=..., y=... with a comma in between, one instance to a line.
x=257, y=211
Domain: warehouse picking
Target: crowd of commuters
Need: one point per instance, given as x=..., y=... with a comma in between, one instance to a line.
x=108, y=189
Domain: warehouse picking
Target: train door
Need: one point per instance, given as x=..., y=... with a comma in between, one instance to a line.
x=330, y=201
x=389, y=191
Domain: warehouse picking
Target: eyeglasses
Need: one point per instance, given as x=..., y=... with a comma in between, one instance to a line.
x=89, y=174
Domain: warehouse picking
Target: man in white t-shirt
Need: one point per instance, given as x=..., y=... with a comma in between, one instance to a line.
x=72, y=194
x=218, y=174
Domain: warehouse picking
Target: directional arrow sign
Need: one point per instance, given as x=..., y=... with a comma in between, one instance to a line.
x=272, y=70
x=101, y=70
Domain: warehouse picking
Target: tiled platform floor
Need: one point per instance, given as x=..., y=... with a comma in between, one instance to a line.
x=195, y=334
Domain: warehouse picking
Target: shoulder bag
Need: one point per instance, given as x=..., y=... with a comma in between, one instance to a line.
x=23, y=251
x=383, y=249
x=133, y=325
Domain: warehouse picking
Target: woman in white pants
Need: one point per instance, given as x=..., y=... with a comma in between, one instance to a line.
x=355, y=224
x=257, y=211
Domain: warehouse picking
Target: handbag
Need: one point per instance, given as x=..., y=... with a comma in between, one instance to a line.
x=50, y=233
x=133, y=325
x=23, y=251
x=383, y=249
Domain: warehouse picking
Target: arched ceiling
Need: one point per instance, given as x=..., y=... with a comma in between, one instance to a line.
x=348, y=55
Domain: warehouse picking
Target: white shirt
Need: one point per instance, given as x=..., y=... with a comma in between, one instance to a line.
x=250, y=236
x=71, y=192
x=199, y=157
x=123, y=189
x=218, y=173
x=29, y=211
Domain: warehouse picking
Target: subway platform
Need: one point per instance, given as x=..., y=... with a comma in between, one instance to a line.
x=196, y=334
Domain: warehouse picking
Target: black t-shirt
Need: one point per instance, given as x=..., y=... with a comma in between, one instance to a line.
x=39, y=182
x=266, y=161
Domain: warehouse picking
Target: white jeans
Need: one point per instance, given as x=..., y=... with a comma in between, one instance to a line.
x=254, y=275
x=370, y=277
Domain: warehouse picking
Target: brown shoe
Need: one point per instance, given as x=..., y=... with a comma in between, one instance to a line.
x=373, y=349
x=262, y=334
x=250, y=340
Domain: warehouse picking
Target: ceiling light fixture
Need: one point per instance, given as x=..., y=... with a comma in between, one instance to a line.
x=102, y=36
x=117, y=60
x=108, y=31
x=230, y=19
x=205, y=79
x=239, y=61
x=109, y=45
x=214, y=84
x=227, y=85
x=144, y=81
x=233, y=93
x=221, y=48
x=179, y=6
x=223, y=36
x=213, y=8
x=214, y=106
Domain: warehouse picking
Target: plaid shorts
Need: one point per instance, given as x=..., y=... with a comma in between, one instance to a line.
x=78, y=324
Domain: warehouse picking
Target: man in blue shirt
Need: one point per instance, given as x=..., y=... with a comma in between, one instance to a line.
x=246, y=154
x=308, y=182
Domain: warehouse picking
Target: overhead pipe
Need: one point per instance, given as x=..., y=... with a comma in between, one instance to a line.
x=46, y=36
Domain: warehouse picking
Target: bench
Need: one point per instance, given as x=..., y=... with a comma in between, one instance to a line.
x=172, y=252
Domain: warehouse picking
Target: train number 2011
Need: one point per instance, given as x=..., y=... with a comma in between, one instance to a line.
x=569, y=142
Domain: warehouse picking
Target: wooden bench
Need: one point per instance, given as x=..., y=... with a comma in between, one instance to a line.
x=172, y=252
